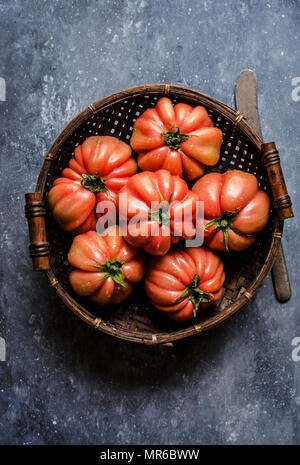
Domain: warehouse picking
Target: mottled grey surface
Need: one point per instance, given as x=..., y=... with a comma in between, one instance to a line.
x=64, y=383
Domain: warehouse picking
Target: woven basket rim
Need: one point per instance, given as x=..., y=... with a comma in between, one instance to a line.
x=235, y=118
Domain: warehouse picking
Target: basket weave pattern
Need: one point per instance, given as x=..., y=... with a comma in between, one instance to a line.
x=135, y=319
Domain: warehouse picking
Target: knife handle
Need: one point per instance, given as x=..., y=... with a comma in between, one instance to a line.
x=280, y=277
x=282, y=201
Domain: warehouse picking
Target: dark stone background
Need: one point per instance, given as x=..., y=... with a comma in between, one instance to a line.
x=63, y=382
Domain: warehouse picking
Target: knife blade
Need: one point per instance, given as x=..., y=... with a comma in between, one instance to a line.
x=247, y=103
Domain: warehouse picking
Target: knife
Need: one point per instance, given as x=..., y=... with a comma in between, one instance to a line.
x=246, y=103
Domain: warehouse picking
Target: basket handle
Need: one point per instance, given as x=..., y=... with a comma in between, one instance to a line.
x=39, y=248
x=282, y=201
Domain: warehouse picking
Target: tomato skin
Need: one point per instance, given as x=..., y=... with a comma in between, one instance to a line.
x=202, y=147
x=146, y=187
x=167, y=277
x=90, y=249
x=72, y=204
x=110, y=158
x=233, y=191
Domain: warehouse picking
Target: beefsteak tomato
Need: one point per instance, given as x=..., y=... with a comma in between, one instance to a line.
x=72, y=204
x=105, y=267
x=184, y=280
x=101, y=166
x=235, y=209
x=156, y=209
x=181, y=139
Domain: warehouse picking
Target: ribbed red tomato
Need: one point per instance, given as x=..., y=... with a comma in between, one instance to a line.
x=105, y=267
x=101, y=167
x=166, y=210
x=72, y=204
x=181, y=139
x=235, y=209
x=184, y=280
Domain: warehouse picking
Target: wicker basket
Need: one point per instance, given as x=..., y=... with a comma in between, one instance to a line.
x=135, y=319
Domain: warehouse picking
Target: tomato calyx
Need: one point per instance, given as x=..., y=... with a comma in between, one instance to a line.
x=93, y=183
x=162, y=215
x=113, y=270
x=174, y=139
x=195, y=295
x=225, y=222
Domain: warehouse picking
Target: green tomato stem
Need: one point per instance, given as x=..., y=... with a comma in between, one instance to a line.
x=162, y=215
x=174, y=139
x=113, y=270
x=93, y=183
x=195, y=295
x=224, y=223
